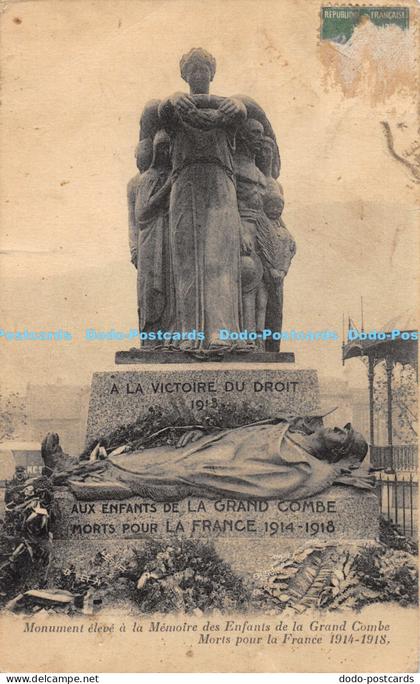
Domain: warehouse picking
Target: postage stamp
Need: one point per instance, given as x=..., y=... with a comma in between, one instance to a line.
x=339, y=22
x=369, y=50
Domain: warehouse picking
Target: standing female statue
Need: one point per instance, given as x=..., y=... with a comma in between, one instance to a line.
x=204, y=224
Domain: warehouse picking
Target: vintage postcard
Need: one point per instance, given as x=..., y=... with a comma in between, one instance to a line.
x=208, y=336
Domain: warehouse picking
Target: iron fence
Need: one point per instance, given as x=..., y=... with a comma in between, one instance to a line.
x=397, y=457
x=398, y=501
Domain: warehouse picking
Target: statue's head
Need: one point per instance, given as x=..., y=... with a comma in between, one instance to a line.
x=273, y=207
x=337, y=444
x=252, y=134
x=265, y=156
x=273, y=200
x=198, y=68
x=144, y=154
x=161, y=148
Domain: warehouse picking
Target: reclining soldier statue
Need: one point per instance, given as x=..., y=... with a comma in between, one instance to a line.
x=273, y=459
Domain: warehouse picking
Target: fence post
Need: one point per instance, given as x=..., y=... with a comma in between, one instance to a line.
x=411, y=503
x=380, y=492
x=396, y=498
x=403, y=502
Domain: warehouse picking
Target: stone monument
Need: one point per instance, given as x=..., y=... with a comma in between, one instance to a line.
x=217, y=450
x=205, y=227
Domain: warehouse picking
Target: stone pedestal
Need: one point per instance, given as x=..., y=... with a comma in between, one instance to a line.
x=247, y=534
x=190, y=395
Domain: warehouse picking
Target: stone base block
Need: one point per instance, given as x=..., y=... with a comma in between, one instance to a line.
x=229, y=397
x=246, y=534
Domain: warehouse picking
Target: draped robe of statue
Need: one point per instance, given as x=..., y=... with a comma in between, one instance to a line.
x=204, y=224
x=262, y=461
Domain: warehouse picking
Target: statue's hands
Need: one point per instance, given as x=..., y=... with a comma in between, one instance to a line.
x=350, y=472
x=361, y=480
x=134, y=257
x=349, y=464
x=189, y=437
x=230, y=107
x=277, y=276
x=203, y=118
x=246, y=245
x=183, y=104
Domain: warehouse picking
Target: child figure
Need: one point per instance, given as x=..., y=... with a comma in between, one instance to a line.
x=278, y=248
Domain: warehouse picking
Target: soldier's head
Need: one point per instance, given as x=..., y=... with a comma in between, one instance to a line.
x=252, y=134
x=338, y=444
x=198, y=68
